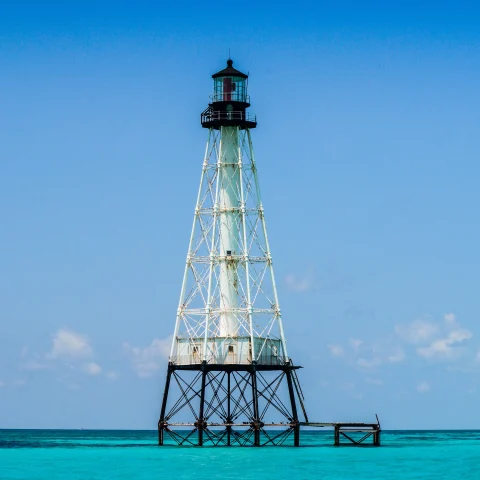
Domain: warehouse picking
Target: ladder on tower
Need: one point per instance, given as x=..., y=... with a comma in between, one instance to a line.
x=299, y=391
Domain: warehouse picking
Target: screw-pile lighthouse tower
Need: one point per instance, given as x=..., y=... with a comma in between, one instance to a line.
x=230, y=380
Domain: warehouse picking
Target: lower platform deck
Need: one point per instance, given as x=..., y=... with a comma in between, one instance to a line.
x=242, y=433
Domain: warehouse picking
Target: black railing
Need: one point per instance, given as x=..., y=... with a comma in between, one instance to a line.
x=211, y=115
x=230, y=97
x=195, y=359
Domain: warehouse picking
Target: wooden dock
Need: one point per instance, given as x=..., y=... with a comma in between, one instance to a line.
x=348, y=430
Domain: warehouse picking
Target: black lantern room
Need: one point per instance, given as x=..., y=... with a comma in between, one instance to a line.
x=229, y=101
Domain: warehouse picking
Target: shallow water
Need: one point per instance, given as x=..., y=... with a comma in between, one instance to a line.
x=114, y=455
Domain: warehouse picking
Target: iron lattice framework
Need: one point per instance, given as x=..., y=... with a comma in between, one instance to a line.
x=231, y=406
x=230, y=380
x=203, y=304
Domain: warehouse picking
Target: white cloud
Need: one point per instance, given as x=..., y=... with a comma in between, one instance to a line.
x=20, y=382
x=112, y=375
x=460, y=335
x=450, y=318
x=32, y=365
x=302, y=283
x=443, y=339
x=382, y=353
x=67, y=343
x=1, y=384
x=336, y=350
x=91, y=368
x=446, y=348
x=435, y=340
x=423, y=387
x=369, y=363
x=355, y=343
x=418, y=331
x=397, y=355
x=373, y=381
x=148, y=360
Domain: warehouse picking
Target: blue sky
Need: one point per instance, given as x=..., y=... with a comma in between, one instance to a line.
x=367, y=147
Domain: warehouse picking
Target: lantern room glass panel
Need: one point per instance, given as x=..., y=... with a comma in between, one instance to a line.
x=229, y=89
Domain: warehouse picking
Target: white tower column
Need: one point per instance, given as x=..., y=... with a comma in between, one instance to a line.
x=229, y=219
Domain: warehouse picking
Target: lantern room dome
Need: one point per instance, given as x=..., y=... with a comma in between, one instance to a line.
x=229, y=71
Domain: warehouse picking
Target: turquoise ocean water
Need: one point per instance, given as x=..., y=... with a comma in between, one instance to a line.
x=115, y=455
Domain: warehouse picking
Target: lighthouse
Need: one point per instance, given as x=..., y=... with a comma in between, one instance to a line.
x=229, y=380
